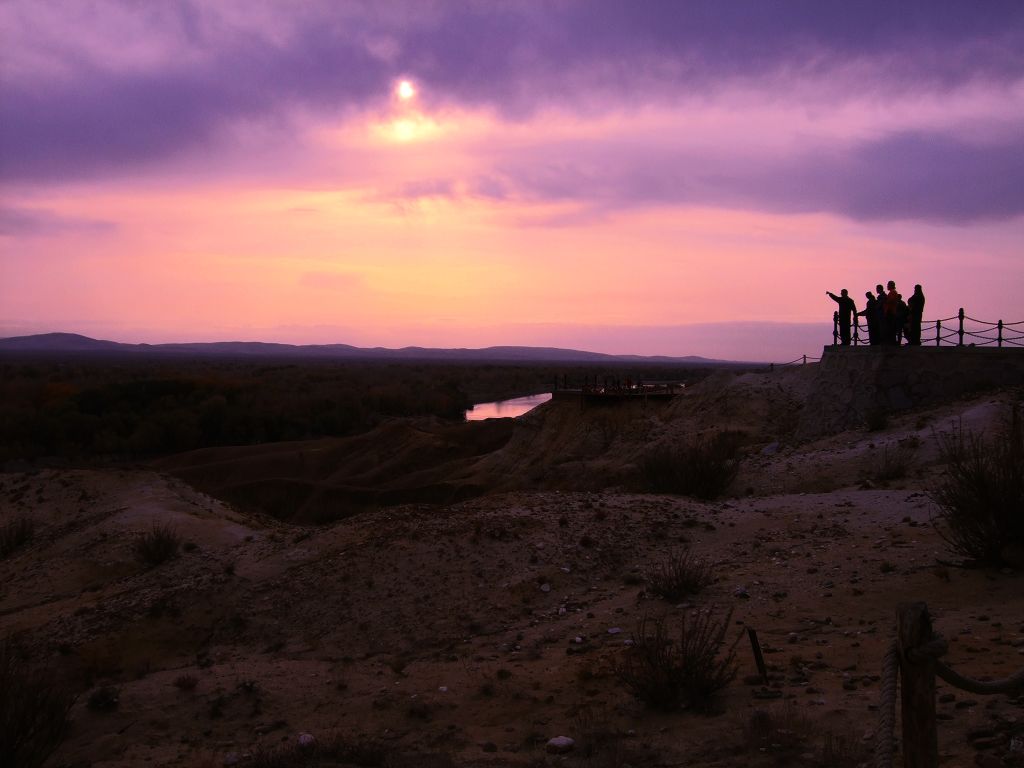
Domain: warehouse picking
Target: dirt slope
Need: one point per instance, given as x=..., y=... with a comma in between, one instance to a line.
x=479, y=629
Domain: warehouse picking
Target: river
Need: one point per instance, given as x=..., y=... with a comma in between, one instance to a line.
x=503, y=409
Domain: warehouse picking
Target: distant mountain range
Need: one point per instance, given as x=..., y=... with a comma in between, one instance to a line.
x=73, y=343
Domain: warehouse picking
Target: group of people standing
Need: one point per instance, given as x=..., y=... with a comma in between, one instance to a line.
x=889, y=318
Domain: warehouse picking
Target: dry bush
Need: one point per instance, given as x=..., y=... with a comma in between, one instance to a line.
x=982, y=495
x=680, y=575
x=703, y=467
x=14, y=534
x=34, y=711
x=892, y=463
x=158, y=545
x=667, y=674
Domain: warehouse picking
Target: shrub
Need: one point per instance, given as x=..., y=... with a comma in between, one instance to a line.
x=890, y=464
x=158, y=545
x=14, y=534
x=681, y=574
x=981, y=498
x=34, y=711
x=703, y=467
x=666, y=674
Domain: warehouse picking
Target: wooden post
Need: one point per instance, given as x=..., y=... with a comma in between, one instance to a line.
x=917, y=688
x=938, y=332
x=805, y=359
x=961, y=315
x=1000, y=324
x=758, y=656
x=835, y=328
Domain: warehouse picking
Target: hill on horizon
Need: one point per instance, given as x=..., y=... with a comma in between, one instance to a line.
x=79, y=344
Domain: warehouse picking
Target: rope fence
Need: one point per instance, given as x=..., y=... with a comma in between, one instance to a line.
x=956, y=331
x=914, y=658
x=959, y=330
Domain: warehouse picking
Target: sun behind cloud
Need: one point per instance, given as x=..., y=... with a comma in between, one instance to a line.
x=405, y=90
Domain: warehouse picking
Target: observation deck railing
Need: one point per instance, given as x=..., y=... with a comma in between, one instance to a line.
x=965, y=331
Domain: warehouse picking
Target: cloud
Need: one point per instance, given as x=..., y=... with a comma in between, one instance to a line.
x=102, y=88
x=902, y=176
x=30, y=222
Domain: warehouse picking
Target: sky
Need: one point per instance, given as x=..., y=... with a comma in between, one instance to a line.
x=672, y=178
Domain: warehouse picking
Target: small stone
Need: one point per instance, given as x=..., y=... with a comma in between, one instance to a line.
x=741, y=592
x=306, y=740
x=614, y=630
x=545, y=587
x=231, y=758
x=559, y=745
x=443, y=688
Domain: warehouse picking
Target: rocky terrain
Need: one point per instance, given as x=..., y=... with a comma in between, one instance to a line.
x=433, y=594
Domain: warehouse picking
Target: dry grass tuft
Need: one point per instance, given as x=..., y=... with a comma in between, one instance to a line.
x=158, y=545
x=680, y=575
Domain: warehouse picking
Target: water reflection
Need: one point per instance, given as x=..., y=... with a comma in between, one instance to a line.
x=517, y=406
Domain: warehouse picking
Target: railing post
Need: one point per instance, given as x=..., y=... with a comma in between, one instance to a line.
x=961, y=314
x=938, y=332
x=805, y=359
x=835, y=328
x=917, y=687
x=856, y=332
x=1000, y=326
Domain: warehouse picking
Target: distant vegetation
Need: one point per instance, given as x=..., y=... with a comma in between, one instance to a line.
x=115, y=408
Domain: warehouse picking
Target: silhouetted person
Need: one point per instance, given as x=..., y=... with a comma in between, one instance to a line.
x=915, y=311
x=871, y=316
x=893, y=315
x=847, y=311
x=880, y=323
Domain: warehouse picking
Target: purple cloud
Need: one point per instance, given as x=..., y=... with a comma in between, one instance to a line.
x=33, y=222
x=190, y=73
x=904, y=176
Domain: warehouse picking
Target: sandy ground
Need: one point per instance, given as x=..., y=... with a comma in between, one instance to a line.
x=479, y=630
